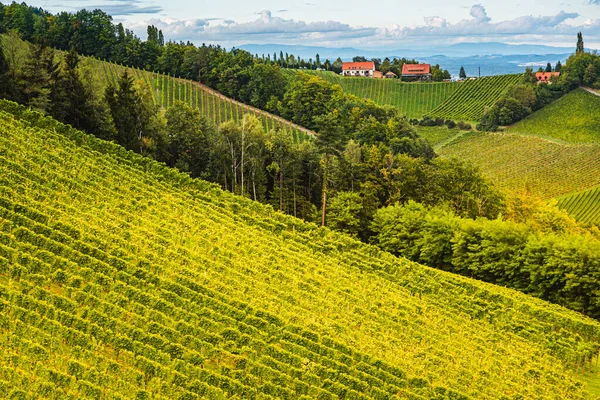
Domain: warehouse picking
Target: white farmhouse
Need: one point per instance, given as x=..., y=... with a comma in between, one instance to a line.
x=358, y=69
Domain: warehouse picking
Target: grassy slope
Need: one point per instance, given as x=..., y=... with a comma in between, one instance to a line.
x=469, y=102
x=574, y=117
x=549, y=169
x=412, y=99
x=118, y=275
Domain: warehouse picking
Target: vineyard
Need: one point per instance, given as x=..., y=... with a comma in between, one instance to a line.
x=437, y=136
x=166, y=90
x=572, y=118
x=121, y=278
x=547, y=169
x=411, y=99
x=468, y=103
x=449, y=100
x=584, y=206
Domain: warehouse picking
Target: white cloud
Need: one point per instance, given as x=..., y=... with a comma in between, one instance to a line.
x=268, y=28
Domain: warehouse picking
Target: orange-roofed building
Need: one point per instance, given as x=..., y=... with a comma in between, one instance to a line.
x=358, y=68
x=545, y=76
x=416, y=72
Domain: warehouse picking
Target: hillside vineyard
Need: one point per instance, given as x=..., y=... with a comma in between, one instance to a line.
x=121, y=278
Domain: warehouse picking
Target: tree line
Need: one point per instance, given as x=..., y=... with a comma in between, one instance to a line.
x=535, y=248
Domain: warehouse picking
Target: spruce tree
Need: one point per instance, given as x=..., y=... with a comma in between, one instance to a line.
x=37, y=76
x=558, y=67
x=548, y=68
x=6, y=83
x=462, y=74
x=580, y=48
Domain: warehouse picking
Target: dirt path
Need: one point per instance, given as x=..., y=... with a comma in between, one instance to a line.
x=250, y=108
x=590, y=90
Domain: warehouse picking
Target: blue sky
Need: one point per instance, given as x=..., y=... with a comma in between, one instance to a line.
x=355, y=23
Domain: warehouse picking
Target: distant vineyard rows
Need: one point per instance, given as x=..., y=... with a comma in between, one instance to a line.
x=469, y=102
x=166, y=90
x=413, y=100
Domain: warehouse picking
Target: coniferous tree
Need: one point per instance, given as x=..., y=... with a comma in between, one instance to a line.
x=133, y=116
x=35, y=80
x=558, y=67
x=580, y=49
x=548, y=68
x=6, y=83
x=462, y=74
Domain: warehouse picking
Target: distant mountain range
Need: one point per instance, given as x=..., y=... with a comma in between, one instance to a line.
x=489, y=58
x=456, y=50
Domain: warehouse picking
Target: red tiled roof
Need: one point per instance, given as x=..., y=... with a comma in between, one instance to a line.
x=416, y=69
x=545, y=76
x=358, y=66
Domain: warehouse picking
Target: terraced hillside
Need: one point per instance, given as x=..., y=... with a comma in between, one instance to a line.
x=548, y=169
x=166, y=90
x=575, y=117
x=468, y=103
x=584, y=206
x=121, y=278
x=413, y=100
x=449, y=100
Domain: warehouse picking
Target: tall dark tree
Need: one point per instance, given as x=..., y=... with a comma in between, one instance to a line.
x=580, y=49
x=558, y=67
x=462, y=74
x=36, y=78
x=133, y=117
x=6, y=83
x=548, y=68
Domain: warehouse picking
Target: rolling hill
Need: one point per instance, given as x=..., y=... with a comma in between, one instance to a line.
x=122, y=278
x=166, y=90
x=469, y=102
x=412, y=99
x=547, y=168
x=572, y=118
x=449, y=100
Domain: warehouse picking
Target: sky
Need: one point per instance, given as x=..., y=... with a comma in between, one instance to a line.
x=354, y=23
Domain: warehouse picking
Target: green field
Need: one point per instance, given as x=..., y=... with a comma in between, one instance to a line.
x=575, y=117
x=584, y=206
x=413, y=100
x=515, y=162
x=121, y=278
x=469, y=102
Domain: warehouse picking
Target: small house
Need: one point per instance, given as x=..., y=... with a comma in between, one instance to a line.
x=390, y=75
x=358, y=68
x=378, y=74
x=418, y=72
x=545, y=77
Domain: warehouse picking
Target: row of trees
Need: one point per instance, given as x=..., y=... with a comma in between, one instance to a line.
x=541, y=251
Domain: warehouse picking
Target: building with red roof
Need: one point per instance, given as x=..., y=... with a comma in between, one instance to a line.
x=545, y=77
x=416, y=72
x=358, y=68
